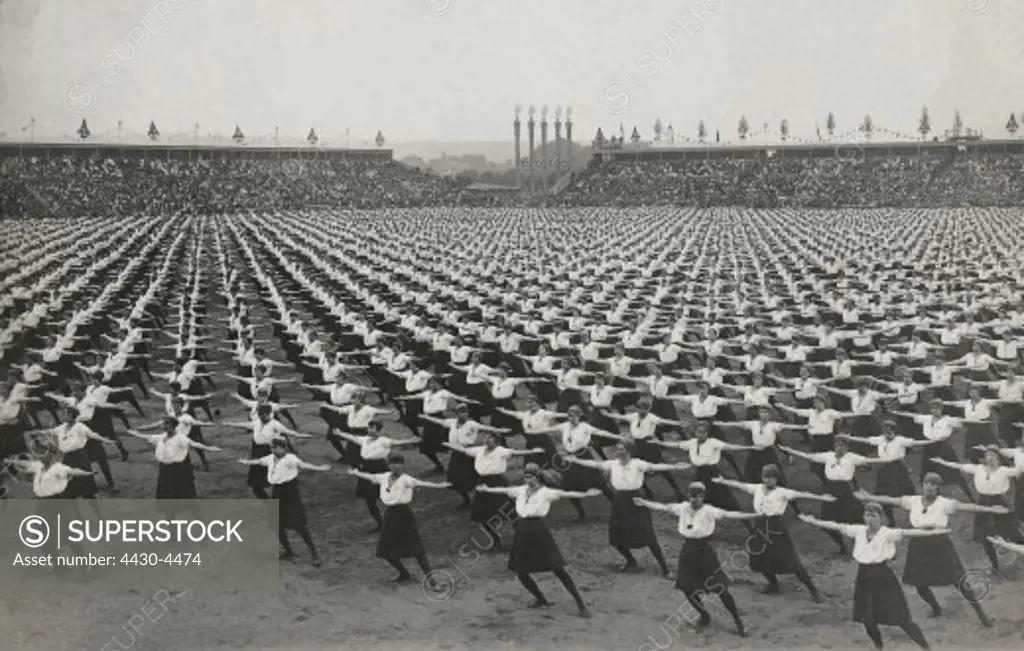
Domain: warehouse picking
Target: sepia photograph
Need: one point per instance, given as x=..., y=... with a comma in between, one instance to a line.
x=477, y=325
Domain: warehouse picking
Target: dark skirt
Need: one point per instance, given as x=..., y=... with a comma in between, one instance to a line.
x=932, y=561
x=79, y=486
x=846, y=508
x=648, y=451
x=773, y=553
x=715, y=494
x=544, y=442
x=434, y=437
x=365, y=488
x=95, y=451
x=878, y=596
x=943, y=450
x=489, y=505
x=399, y=536
x=12, y=440
x=978, y=434
x=291, y=512
x=534, y=548
x=580, y=478
x=996, y=524
x=893, y=480
x=630, y=526
x=462, y=473
x=756, y=461
x=257, y=473
x=698, y=569
x=176, y=481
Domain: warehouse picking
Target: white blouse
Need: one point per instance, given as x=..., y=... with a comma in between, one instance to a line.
x=708, y=453
x=576, y=437
x=463, y=434
x=535, y=504
x=49, y=482
x=772, y=502
x=933, y=516
x=172, y=449
x=936, y=429
x=374, y=448
x=642, y=428
x=839, y=469
x=820, y=423
x=992, y=482
x=627, y=476
x=399, y=491
x=71, y=438
x=601, y=397
x=891, y=450
x=435, y=402
x=490, y=462
x=880, y=548
x=698, y=523
x=283, y=470
x=705, y=407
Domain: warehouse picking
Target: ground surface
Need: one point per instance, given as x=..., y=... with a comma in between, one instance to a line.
x=350, y=604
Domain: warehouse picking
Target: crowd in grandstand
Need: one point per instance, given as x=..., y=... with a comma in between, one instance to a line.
x=71, y=186
x=919, y=181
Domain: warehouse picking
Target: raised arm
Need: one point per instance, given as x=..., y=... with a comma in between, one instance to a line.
x=824, y=524
x=998, y=541
x=654, y=506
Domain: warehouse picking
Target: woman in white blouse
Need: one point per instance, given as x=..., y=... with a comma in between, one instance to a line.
x=373, y=454
x=435, y=403
x=490, y=461
x=72, y=440
x=175, y=480
x=840, y=466
x=629, y=526
x=577, y=439
x=400, y=535
x=938, y=428
x=603, y=398
x=878, y=598
x=543, y=364
x=462, y=432
x=776, y=554
x=501, y=396
x=534, y=548
x=50, y=476
x=933, y=561
x=705, y=453
x=994, y=483
x=764, y=437
x=978, y=422
x=698, y=571
x=892, y=478
x=283, y=475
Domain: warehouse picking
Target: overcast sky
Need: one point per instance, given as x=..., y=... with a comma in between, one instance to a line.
x=454, y=69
